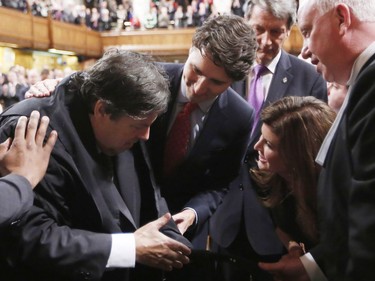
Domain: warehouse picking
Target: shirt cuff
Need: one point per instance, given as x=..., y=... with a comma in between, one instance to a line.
x=122, y=250
x=312, y=268
x=195, y=212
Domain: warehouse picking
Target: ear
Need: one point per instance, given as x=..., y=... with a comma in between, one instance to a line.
x=343, y=15
x=99, y=109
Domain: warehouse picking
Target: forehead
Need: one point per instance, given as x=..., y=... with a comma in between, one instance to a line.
x=307, y=14
x=269, y=135
x=206, y=67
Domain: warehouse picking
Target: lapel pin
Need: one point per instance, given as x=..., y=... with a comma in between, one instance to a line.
x=285, y=80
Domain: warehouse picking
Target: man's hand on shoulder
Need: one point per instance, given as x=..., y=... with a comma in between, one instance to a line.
x=27, y=155
x=42, y=88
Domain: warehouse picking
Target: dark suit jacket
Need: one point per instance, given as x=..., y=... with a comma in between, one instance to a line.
x=215, y=157
x=292, y=77
x=346, y=193
x=16, y=198
x=66, y=234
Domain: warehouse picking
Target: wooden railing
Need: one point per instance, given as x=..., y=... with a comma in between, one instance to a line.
x=27, y=31
x=160, y=42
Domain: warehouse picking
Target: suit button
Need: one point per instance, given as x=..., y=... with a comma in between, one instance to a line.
x=241, y=186
x=246, y=158
x=85, y=275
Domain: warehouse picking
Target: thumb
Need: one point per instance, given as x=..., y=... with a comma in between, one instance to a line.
x=163, y=220
x=4, y=146
x=295, y=249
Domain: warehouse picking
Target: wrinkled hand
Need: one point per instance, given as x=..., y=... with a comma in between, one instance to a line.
x=184, y=220
x=157, y=250
x=27, y=155
x=42, y=88
x=289, y=267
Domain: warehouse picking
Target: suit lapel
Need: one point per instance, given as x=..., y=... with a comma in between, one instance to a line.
x=216, y=118
x=280, y=81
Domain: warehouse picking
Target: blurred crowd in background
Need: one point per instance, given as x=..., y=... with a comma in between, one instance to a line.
x=119, y=14
x=15, y=83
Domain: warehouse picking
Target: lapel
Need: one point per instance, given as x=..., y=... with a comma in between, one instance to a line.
x=161, y=208
x=159, y=129
x=215, y=120
x=128, y=187
x=281, y=79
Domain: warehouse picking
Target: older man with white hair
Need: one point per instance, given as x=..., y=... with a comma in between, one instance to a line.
x=340, y=35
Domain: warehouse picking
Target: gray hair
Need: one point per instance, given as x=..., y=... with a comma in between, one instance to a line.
x=364, y=10
x=280, y=9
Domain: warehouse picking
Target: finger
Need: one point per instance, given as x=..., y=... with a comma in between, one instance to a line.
x=295, y=249
x=42, y=130
x=19, y=133
x=4, y=146
x=179, y=247
x=32, y=127
x=163, y=220
x=51, y=141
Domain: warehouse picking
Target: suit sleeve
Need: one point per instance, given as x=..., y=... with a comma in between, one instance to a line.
x=16, y=198
x=361, y=139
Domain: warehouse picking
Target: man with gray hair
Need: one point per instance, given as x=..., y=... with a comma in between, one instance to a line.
x=340, y=35
x=89, y=211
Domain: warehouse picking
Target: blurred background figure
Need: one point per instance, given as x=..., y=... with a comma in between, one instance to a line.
x=336, y=95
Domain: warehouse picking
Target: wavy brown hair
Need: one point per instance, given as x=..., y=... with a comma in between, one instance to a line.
x=301, y=123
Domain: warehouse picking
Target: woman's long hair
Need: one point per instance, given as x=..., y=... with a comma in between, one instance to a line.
x=301, y=123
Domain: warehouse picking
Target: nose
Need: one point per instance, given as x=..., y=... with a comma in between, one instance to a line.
x=200, y=87
x=144, y=134
x=305, y=52
x=265, y=39
x=258, y=145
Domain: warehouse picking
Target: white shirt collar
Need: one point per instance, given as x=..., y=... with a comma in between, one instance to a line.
x=272, y=65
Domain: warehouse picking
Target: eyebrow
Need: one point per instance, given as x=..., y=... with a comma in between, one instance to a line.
x=196, y=69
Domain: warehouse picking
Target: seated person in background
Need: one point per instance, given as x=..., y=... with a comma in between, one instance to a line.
x=98, y=189
x=336, y=95
x=292, y=132
x=23, y=163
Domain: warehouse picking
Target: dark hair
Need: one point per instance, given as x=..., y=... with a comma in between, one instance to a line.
x=129, y=83
x=229, y=42
x=280, y=9
x=301, y=124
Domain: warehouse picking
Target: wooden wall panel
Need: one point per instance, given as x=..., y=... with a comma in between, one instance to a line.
x=15, y=27
x=68, y=37
x=94, y=46
x=156, y=42
x=41, y=38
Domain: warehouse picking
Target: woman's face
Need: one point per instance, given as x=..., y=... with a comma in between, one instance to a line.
x=268, y=151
